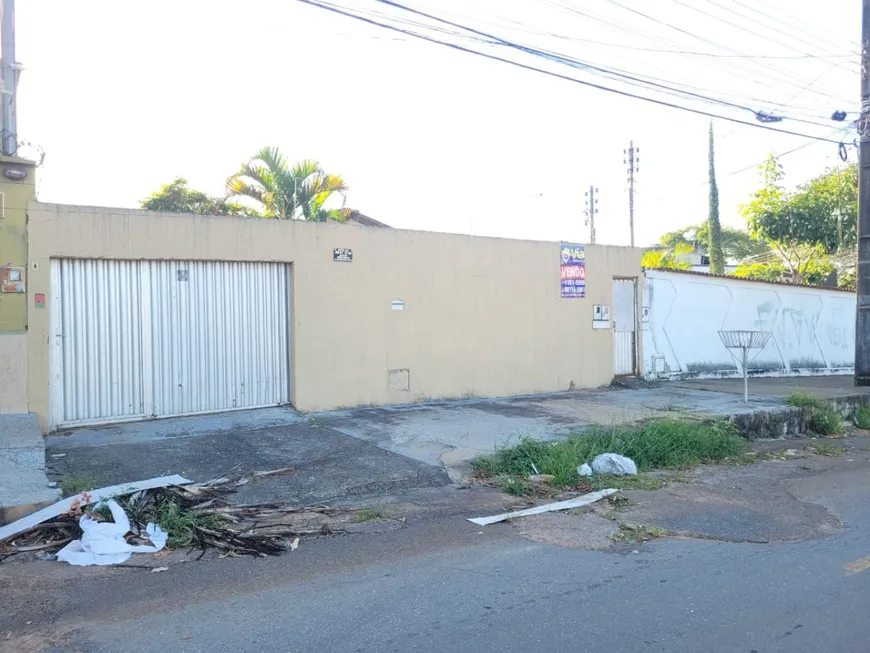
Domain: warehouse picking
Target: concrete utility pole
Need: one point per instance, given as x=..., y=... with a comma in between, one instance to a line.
x=862, y=327
x=9, y=141
x=631, y=158
x=591, y=210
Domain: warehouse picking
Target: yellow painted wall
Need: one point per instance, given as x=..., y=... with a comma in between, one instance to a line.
x=13, y=240
x=13, y=306
x=482, y=315
x=13, y=373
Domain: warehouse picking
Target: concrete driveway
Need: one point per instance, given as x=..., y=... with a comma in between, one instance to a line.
x=328, y=464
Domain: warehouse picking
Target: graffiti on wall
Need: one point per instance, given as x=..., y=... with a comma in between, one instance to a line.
x=812, y=329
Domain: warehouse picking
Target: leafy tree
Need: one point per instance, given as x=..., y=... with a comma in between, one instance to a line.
x=714, y=242
x=299, y=192
x=736, y=243
x=847, y=279
x=178, y=198
x=829, y=203
x=818, y=270
x=761, y=271
x=805, y=226
x=667, y=258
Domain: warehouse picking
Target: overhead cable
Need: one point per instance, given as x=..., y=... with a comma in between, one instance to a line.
x=342, y=11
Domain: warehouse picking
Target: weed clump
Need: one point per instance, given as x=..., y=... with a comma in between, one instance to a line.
x=658, y=444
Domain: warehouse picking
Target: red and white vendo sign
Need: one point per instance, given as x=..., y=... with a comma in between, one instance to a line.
x=573, y=272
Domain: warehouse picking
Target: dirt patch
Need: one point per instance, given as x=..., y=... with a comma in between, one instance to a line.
x=37, y=642
x=573, y=531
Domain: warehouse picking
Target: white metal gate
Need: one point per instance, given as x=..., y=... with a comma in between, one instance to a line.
x=140, y=339
x=624, y=327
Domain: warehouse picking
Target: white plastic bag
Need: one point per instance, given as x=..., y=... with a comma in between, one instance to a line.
x=103, y=543
x=584, y=470
x=614, y=464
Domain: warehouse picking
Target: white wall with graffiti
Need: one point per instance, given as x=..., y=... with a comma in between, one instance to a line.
x=813, y=329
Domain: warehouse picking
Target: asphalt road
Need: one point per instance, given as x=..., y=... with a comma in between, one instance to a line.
x=444, y=584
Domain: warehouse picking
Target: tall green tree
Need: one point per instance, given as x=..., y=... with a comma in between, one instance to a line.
x=714, y=244
x=297, y=192
x=178, y=198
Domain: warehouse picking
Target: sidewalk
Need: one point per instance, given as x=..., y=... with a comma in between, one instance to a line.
x=376, y=451
x=453, y=433
x=23, y=483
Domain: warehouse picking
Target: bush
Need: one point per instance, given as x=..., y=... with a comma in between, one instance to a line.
x=665, y=443
x=801, y=399
x=821, y=416
x=826, y=421
x=862, y=418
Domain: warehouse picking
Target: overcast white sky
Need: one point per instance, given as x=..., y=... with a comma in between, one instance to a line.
x=126, y=96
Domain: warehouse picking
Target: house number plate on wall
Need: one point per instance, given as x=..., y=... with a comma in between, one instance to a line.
x=342, y=255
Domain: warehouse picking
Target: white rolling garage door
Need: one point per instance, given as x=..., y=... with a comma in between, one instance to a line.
x=142, y=339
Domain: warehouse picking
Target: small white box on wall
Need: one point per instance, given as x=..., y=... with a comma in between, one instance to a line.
x=600, y=316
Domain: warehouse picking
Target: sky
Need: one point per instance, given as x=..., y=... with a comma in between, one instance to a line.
x=126, y=96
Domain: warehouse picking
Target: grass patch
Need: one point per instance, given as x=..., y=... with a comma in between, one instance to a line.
x=180, y=524
x=663, y=443
x=639, y=482
x=862, y=418
x=801, y=399
x=825, y=449
x=515, y=486
x=369, y=514
x=76, y=485
x=823, y=419
x=826, y=421
x=620, y=502
x=745, y=458
x=637, y=533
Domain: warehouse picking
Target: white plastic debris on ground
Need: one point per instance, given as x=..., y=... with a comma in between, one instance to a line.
x=577, y=502
x=609, y=463
x=103, y=543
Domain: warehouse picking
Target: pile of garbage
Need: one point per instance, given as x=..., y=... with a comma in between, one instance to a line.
x=108, y=525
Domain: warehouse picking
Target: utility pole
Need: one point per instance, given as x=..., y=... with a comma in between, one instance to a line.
x=9, y=77
x=862, y=326
x=631, y=158
x=591, y=210
x=9, y=140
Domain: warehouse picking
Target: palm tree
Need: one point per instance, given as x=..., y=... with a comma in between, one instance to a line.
x=288, y=193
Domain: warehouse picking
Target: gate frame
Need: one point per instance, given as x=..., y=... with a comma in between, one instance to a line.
x=635, y=350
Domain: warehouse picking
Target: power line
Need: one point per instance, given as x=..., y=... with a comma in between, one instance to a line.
x=647, y=77
x=786, y=153
x=742, y=76
x=559, y=58
x=776, y=19
x=746, y=75
x=752, y=20
x=341, y=11
x=705, y=40
x=716, y=55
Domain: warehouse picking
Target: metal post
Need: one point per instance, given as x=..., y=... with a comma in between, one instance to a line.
x=9, y=141
x=746, y=374
x=862, y=327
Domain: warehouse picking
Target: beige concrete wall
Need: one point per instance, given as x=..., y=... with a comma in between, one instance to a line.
x=13, y=242
x=482, y=315
x=13, y=373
